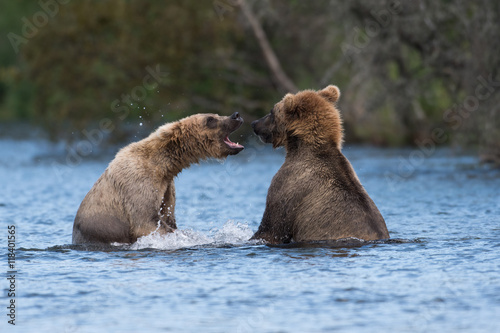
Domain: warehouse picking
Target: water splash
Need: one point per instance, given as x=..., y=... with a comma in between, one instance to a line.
x=230, y=234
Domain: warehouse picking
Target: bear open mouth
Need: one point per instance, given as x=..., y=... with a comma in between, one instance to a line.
x=231, y=144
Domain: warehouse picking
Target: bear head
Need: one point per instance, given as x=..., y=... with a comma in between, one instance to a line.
x=201, y=136
x=308, y=116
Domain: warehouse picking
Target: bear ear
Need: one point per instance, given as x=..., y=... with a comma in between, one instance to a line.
x=330, y=93
x=289, y=102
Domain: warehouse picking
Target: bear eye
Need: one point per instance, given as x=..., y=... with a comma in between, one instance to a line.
x=211, y=122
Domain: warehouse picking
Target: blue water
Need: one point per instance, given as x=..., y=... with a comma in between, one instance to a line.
x=442, y=274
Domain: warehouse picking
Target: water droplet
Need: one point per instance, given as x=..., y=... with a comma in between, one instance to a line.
x=140, y=124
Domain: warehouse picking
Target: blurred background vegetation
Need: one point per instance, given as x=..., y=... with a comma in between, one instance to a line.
x=405, y=68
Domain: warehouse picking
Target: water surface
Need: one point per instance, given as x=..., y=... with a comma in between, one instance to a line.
x=442, y=273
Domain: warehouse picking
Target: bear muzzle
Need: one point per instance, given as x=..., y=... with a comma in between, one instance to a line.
x=234, y=122
x=262, y=130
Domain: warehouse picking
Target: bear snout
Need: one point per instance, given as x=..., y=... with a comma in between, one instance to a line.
x=253, y=124
x=236, y=116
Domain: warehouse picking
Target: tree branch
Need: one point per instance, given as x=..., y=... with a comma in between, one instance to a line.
x=281, y=79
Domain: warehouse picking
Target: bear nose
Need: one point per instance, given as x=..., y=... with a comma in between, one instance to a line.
x=235, y=115
x=254, y=123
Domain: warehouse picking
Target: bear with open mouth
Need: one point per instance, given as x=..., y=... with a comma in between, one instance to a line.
x=315, y=195
x=136, y=194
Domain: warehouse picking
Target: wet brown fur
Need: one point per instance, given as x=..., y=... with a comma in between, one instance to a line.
x=316, y=195
x=136, y=193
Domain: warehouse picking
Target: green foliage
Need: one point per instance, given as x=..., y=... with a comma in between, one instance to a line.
x=90, y=60
x=16, y=95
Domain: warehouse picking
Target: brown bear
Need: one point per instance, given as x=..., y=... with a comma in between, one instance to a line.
x=315, y=195
x=136, y=195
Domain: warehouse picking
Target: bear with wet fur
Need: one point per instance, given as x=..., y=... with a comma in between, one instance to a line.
x=136, y=194
x=315, y=195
